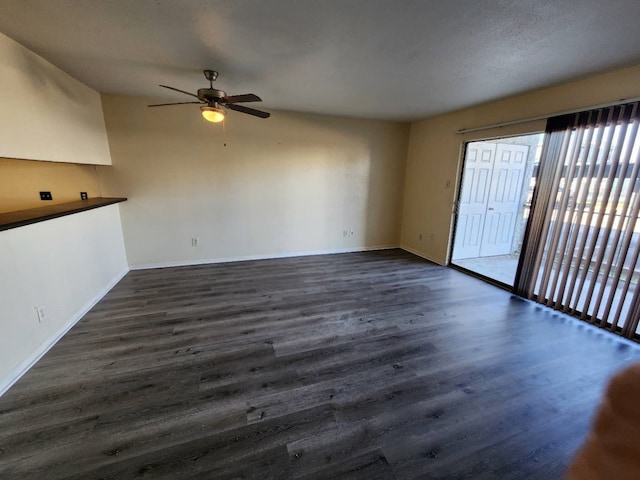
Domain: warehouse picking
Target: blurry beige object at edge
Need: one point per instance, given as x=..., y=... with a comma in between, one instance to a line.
x=612, y=448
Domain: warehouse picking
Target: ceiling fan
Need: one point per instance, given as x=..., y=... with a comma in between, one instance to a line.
x=215, y=102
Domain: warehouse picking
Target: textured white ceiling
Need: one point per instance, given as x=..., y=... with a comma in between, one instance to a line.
x=388, y=59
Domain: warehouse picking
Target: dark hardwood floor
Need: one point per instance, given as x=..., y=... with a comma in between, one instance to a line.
x=373, y=365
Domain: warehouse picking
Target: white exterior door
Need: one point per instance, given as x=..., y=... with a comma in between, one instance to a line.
x=489, y=199
x=504, y=199
x=474, y=199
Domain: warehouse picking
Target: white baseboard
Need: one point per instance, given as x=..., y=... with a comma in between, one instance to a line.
x=423, y=255
x=187, y=263
x=24, y=366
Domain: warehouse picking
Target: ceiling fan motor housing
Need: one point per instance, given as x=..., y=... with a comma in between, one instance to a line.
x=210, y=94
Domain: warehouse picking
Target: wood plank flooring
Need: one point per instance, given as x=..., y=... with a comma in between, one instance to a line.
x=374, y=365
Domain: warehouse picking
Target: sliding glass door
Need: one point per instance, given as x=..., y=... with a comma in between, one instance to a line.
x=556, y=216
x=493, y=205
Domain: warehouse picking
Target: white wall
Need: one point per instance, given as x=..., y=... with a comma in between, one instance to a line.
x=45, y=114
x=63, y=265
x=434, y=155
x=290, y=184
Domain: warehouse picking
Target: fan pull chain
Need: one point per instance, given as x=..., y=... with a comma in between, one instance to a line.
x=224, y=133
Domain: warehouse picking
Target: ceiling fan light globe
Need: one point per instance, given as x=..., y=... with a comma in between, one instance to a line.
x=212, y=114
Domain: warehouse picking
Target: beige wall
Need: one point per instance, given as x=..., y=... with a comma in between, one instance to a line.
x=291, y=184
x=45, y=114
x=434, y=156
x=23, y=180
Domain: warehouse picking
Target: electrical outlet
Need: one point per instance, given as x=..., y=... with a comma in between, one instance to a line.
x=41, y=314
x=45, y=196
x=195, y=241
x=83, y=196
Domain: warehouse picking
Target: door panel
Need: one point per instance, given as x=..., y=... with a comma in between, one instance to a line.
x=503, y=199
x=474, y=198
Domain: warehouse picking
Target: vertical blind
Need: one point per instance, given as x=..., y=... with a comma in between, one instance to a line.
x=583, y=241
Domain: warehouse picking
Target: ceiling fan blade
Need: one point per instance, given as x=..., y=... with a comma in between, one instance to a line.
x=250, y=111
x=178, y=90
x=175, y=103
x=247, y=97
